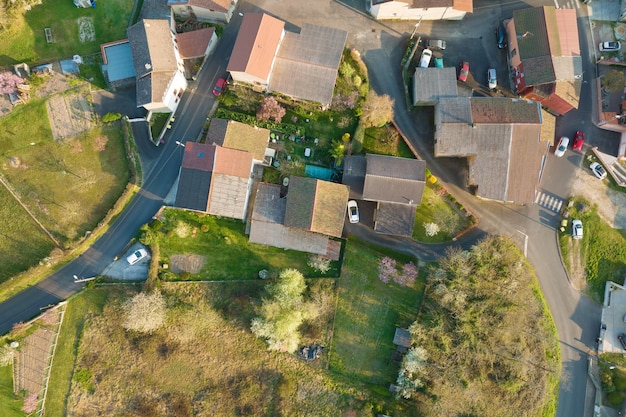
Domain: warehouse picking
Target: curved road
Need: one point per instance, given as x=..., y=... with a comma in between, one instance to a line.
x=576, y=317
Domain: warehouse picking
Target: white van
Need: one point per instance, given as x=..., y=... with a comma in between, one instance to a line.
x=425, y=59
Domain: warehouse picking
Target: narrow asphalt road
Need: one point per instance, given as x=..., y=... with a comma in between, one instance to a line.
x=381, y=45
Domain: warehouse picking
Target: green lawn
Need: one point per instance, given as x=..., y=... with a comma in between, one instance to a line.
x=10, y=404
x=69, y=185
x=236, y=260
x=78, y=310
x=368, y=312
x=602, y=250
x=24, y=39
x=386, y=140
x=22, y=242
x=438, y=209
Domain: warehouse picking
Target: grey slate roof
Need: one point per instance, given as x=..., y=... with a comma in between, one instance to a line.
x=306, y=63
x=395, y=219
x=454, y=110
x=394, y=180
x=154, y=58
x=193, y=189
x=429, y=84
x=354, y=175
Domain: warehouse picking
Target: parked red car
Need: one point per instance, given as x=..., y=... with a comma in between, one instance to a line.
x=463, y=73
x=219, y=87
x=579, y=139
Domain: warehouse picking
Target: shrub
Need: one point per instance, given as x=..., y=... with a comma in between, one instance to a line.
x=253, y=121
x=387, y=269
x=615, y=398
x=145, y=313
x=111, y=117
x=431, y=229
x=319, y=263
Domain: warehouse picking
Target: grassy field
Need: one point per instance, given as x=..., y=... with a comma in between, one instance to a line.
x=10, y=404
x=602, y=250
x=438, y=209
x=237, y=260
x=368, y=312
x=24, y=39
x=69, y=185
x=386, y=141
x=23, y=243
x=206, y=362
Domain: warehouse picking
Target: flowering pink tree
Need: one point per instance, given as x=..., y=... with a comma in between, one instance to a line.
x=9, y=82
x=409, y=274
x=30, y=403
x=270, y=109
x=387, y=269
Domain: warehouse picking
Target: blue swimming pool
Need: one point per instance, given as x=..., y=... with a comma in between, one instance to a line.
x=320, y=173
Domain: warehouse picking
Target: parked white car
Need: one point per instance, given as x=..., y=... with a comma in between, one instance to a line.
x=598, y=170
x=425, y=59
x=577, y=229
x=561, y=147
x=610, y=46
x=491, y=78
x=136, y=256
x=353, y=211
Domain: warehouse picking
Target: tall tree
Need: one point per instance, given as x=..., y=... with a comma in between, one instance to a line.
x=270, y=109
x=282, y=313
x=9, y=82
x=377, y=110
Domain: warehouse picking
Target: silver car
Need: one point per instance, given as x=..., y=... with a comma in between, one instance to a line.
x=597, y=170
x=577, y=229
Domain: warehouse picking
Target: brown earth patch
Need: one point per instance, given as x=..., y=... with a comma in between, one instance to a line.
x=69, y=115
x=187, y=263
x=576, y=271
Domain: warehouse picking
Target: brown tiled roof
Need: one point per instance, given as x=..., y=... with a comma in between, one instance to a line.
x=525, y=161
x=232, y=162
x=548, y=44
x=199, y=156
x=194, y=44
x=316, y=205
x=504, y=110
x=500, y=150
x=217, y=5
x=256, y=45
x=236, y=135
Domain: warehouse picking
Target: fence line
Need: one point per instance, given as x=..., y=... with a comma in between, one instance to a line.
x=44, y=391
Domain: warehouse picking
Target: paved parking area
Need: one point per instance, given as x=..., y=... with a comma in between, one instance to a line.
x=120, y=269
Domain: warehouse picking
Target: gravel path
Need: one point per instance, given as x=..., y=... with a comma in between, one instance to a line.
x=611, y=204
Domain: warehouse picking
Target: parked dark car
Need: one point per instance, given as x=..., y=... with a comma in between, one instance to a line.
x=436, y=44
x=501, y=37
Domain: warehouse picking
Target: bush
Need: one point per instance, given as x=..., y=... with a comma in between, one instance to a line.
x=111, y=117
x=615, y=398
x=357, y=139
x=319, y=263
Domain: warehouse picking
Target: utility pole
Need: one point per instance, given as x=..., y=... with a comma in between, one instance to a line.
x=415, y=28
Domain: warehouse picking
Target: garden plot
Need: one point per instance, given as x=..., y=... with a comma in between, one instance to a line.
x=69, y=115
x=86, y=31
x=32, y=360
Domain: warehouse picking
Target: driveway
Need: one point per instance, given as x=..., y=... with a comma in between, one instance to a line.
x=122, y=101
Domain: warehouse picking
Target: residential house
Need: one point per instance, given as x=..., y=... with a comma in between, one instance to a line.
x=117, y=63
x=501, y=139
x=194, y=47
x=430, y=84
x=420, y=9
x=215, y=180
x=219, y=11
x=301, y=65
x=158, y=66
x=544, y=54
x=236, y=135
x=395, y=184
x=312, y=212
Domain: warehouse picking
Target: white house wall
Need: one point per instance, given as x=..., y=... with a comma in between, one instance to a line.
x=243, y=77
x=401, y=11
x=178, y=84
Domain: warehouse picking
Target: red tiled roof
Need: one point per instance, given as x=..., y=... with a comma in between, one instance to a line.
x=199, y=156
x=232, y=162
x=194, y=44
x=256, y=45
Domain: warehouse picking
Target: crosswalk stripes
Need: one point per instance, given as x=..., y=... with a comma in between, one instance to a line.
x=549, y=202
